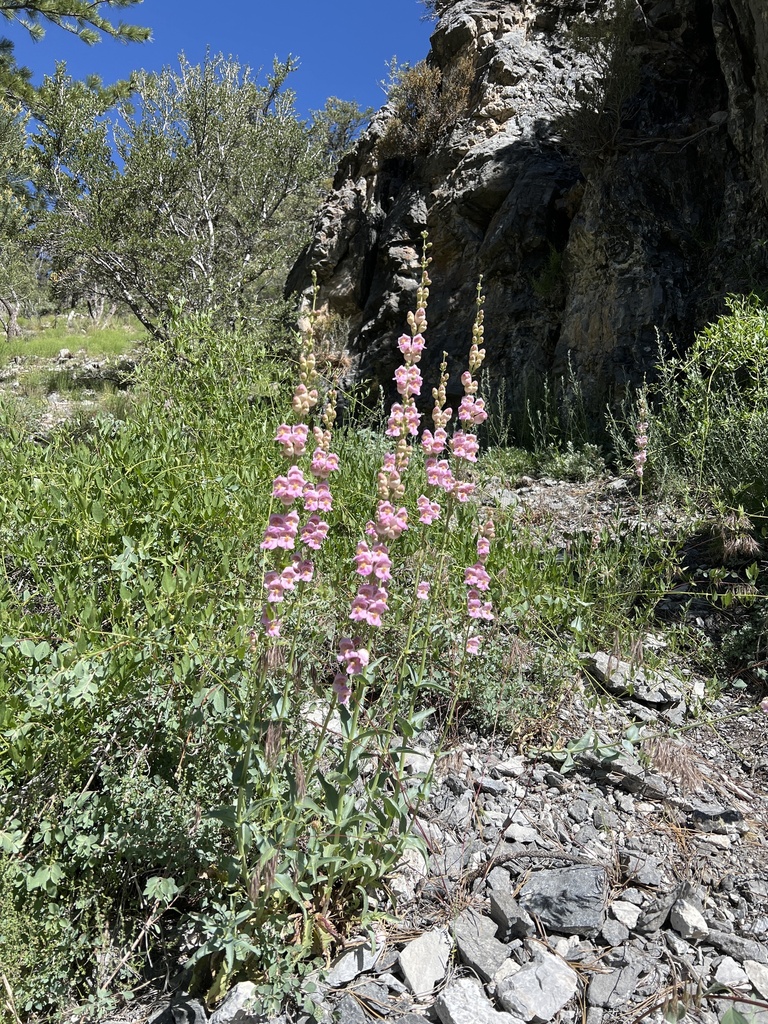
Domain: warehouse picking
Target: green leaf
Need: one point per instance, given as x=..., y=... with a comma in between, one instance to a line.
x=27, y=648
x=162, y=889
x=285, y=883
x=42, y=651
x=46, y=877
x=331, y=795
x=734, y=1016
x=168, y=582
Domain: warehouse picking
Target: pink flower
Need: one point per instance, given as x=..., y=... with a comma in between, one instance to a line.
x=354, y=661
x=472, y=410
x=464, y=490
x=764, y=705
x=288, y=488
x=289, y=577
x=464, y=446
x=429, y=510
x=439, y=474
x=275, y=587
x=363, y=559
x=483, y=548
x=374, y=561
x=318, y=496
x=403, y=420
x=411, y=348
x=341, y=688
x=369, y=604
x=323, y=463
x=382, y=564
x=281, y=532
x=473, y=644
x=476, y=576
x=270, y=625
x=422, y=590
x=293, y=439
x=314, y=533
x=434, y=444
x=304, y=570
x=408, y=380
x=395, y=423
x=477, y=608
x=412, y=420
x=390, y=523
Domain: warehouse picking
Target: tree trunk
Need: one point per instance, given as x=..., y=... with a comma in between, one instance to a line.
x=10, y=322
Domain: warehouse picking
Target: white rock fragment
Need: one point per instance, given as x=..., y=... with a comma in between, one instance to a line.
x=351, y=963
x=539, y=990
x=566, y=946
x=464, y=1002
x=409, y=875
x=240, y=1005
x=731, y=973
x=688, y=921
x=713, y=839
x=627, y=913
x=758, y=976
x=512, y=768
x=418, y=761
x=424, y=961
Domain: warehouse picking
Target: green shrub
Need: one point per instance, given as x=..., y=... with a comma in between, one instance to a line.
x=709, y=420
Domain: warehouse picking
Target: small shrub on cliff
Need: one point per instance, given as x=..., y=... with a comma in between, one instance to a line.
x=426, y=102
x=601, y=100
x=434, y=9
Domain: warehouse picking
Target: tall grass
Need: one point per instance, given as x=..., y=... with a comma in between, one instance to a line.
x=95, y=343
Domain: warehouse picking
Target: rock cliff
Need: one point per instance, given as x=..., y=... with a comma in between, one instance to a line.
x=609, y=183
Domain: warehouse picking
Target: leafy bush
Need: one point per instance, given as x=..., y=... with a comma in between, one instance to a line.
x=199, y=188
x=708, y=427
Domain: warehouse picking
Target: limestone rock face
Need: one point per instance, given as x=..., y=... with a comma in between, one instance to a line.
x=593, y=251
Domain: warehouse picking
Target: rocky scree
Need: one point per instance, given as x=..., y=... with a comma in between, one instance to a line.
x=632, y=885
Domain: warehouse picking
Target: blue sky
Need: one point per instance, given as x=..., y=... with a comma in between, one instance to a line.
x=343, y=45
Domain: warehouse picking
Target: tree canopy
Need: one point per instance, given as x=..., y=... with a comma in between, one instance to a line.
x=87, y=19
x=199, y=190
x=191, y=188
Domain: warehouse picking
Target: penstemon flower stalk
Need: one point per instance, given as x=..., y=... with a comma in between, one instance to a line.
x=312, y=830
x=372, y=558
x=472, y=413
x=284, y=531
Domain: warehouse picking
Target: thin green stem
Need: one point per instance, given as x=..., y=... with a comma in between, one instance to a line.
x=243, y=786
